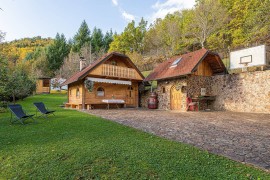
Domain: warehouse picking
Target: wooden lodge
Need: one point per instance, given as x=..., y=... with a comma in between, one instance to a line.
x=43, y=85
x=112, y=80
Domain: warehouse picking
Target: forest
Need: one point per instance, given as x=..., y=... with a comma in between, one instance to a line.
x=218, y=25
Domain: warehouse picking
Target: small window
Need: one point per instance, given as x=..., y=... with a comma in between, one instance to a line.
x=78, y=93
x=163, y=90
x=46, y=83
x=114, y=63
x=176, y=62
x=100, y=92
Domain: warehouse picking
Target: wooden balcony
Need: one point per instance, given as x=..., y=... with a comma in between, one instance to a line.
x=117, y=71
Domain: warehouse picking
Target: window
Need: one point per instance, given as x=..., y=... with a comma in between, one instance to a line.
x=176, y=62
x=46, y=83
x=100, y=92
x=70, y=92
x=78, y=93
x=163, y=90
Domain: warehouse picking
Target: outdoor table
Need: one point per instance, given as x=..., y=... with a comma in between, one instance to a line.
x=113, y=101
x=207, y=99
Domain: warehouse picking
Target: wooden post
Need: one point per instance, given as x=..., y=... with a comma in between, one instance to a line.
x=83, y=96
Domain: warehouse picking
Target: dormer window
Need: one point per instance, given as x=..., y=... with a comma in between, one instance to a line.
x=176, y=62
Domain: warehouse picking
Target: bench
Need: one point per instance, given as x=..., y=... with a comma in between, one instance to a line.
x=113, y=101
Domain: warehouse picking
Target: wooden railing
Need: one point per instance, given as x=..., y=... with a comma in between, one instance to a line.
x=117, y=71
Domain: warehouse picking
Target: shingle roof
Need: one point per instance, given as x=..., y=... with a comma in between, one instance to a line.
x=186, y=66
x=81, y=74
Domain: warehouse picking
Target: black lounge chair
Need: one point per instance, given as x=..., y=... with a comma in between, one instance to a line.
x=19, y=113
x=43, y=110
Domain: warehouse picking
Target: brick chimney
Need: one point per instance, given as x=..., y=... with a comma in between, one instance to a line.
x=82, y=63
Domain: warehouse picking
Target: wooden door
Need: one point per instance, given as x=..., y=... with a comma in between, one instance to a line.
x=176, y=98
x=130, y=96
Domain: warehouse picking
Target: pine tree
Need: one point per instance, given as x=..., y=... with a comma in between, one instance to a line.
x=96, y=40
x=82, y=37
x=107, y=40
x=56, y=52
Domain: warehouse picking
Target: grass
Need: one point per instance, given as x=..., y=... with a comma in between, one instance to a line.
x=58, y=92
x=75, y=145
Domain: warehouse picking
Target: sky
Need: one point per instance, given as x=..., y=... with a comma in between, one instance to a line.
x=29, y=18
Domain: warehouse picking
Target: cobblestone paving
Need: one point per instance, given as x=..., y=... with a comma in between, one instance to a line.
x=243, y=137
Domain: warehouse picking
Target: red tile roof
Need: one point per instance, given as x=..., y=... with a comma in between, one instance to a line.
x=186, y=66
x=81, y=74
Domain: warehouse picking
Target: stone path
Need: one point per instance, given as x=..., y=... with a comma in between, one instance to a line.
x=244, y=137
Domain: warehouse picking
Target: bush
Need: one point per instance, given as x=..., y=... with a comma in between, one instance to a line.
x=3, y=104
x=3, y=110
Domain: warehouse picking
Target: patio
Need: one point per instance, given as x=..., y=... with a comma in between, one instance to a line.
x=243, y=137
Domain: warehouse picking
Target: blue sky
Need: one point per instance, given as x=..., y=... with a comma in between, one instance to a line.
x=29, y=18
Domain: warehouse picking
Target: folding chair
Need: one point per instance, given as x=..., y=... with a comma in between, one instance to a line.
x=43, y=110
x=19, y=113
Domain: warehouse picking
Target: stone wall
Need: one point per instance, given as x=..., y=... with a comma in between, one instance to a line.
x=164, y=94
x=164, y=97
x=195, y=83
x=244, y=92
x=144, y=97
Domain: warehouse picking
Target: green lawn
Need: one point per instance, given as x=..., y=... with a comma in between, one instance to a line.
x=75, y=145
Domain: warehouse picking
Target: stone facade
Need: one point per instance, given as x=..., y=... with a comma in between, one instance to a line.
x=244, y=92
x=163, y=91
x=144, y=95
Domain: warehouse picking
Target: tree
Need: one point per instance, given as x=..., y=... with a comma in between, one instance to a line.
x=209, y=16
x=2, y=36
x=81, y=38
x=132, y=39
x=3, y=78
x=56, y=52
x=97, y=40
x=19, y=84
x=107, y=40
x=40, y=65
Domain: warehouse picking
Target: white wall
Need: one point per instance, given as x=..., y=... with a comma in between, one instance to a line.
x=256, y=54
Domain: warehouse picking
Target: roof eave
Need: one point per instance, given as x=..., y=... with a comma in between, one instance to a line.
x=171, y=77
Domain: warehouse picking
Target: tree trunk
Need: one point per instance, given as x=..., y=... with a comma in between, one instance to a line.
x=14, y=100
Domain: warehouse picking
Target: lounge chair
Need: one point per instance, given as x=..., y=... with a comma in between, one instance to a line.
x=19, y=113
x=43, y=110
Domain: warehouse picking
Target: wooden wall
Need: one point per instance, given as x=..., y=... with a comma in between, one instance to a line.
x=203, y=69
x=72, y=93
x=40, y=88
x=116, y=91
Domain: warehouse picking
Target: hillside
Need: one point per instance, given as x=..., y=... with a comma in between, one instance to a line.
x=18, y=50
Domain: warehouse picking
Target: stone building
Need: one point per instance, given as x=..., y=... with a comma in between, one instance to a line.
x=185, y=76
